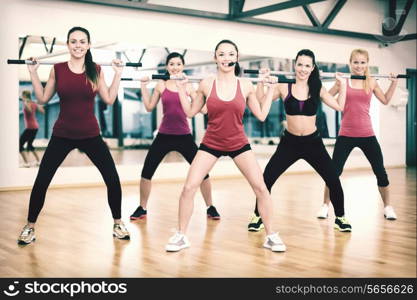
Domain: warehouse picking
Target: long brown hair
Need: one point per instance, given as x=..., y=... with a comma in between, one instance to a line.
x=90, y=65
x=314, y=81
x=367, y=81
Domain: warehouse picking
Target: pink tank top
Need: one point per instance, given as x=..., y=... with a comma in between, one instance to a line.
x=30, y=117
x=174, y=120
x=76, y=118
x=225, y=130
x=356, y=121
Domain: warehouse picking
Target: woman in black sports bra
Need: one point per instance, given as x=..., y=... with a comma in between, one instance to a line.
x=301, y=139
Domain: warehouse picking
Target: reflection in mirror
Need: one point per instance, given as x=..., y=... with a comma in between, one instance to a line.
x=127, y=127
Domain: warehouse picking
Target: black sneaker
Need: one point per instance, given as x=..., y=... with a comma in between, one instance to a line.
x=139, y=213
x=256, y=223
x=342, y=224
x=212, y=213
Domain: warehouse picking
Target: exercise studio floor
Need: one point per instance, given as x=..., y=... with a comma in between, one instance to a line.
x=74, y=232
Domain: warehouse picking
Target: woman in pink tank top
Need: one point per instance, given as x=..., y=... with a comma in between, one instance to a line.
x=76, y=82
x=356, y=128
x=174, y=135
x=226, y=98
x=31, y=127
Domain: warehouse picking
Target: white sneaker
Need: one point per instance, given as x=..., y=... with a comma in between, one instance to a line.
x=177, y=242
x=120, y=231
x=27, y=235
x=389, y=213
x=323, y=211
x=274, y=242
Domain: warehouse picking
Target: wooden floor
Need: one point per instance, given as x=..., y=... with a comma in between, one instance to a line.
x=74, y=233
x=121, y=157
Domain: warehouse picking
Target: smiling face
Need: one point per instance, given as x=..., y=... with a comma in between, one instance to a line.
x=225, y=54
x=78, y=44
x=175, y=66
x=358, y=64
x=303, y=67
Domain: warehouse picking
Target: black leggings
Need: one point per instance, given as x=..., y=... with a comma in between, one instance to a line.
x=162, y=145
x=28, y=135
x=310, y=148
x=369, y=146
x=58, y=148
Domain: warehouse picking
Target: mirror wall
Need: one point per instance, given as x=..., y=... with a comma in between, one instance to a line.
x=127, y=127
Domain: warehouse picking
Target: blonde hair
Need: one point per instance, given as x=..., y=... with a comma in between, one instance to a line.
x=27, y=94
x=367, y=81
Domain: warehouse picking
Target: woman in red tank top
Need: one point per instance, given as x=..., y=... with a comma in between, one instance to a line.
x=77, y=82
x=226, y=98
x=31, y=127
x=356, y=129
x=174, y=134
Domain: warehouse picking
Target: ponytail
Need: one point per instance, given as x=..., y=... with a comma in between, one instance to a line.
x=314, y=83
x=237, y=69
x=91, y=69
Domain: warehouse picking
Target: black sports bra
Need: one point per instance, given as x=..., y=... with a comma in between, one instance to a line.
x=295, y=107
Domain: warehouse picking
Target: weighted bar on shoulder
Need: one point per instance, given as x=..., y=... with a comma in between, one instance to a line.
x=30, y=62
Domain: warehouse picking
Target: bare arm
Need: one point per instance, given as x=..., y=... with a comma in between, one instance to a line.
x=193, y=107
x=27, y=105
x=204, y=109
x=260, y=109
x=260, y=86
x=260, y=91
x=43, y=95
x=334, y=89
x=339, y=103
x=193, y=95
x=41, y=109
x=109, y=94
x=148, y=101
x=385, y=98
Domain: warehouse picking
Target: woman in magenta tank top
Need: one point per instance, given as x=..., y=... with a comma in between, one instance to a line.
x=174, y=135
x=31, y=127
x=226, y=98
x=356, y=128
x=77, y=82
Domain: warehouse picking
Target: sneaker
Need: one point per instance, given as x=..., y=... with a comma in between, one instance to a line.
x=389, y=213
x=139, y=213
x=255, y=223
x=120, y=231
x=27, y=236
x=177, y=242
x=342, y=224
x=212, y=213
x=274, y=242
x=323, y=212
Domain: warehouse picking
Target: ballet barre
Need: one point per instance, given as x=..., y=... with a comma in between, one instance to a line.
x=328, y=74
x=31, y=62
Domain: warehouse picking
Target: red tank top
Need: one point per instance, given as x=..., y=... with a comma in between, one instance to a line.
x=76, y=118
x=356, y=121
x=225, y=130
x=30, y=117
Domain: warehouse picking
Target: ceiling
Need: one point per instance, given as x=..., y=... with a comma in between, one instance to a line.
x=385, y=19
